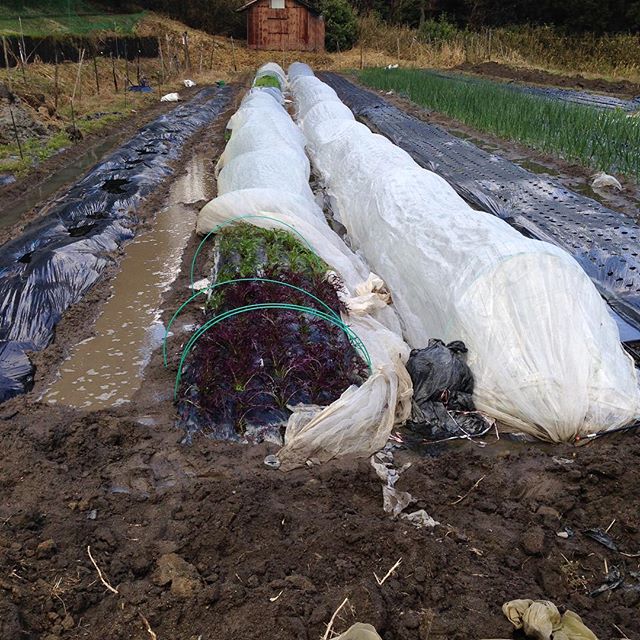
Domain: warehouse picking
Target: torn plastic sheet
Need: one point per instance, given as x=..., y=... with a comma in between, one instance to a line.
x=61, y=255
x=545, y=354
x=442, y=405
x=603, y=242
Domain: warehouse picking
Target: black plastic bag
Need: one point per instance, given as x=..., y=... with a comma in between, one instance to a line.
x=442, y=404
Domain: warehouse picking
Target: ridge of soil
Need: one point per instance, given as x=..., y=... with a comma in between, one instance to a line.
x=622, y=88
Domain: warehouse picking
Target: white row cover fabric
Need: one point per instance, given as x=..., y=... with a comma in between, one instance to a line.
x=544, y=351
x=263, y=180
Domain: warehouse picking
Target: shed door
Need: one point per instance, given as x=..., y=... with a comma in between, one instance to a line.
x=277, y=28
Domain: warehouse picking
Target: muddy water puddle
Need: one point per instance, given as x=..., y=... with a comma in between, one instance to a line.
x=106, y=369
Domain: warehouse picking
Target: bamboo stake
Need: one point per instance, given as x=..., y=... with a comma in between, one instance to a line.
x=75, y=87
x=211, y=59
x=201, y=54
x=15, y=131
x=23, y=49
x=21, y=59
x=73, y=117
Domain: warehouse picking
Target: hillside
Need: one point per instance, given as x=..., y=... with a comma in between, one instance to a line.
x=61, y=17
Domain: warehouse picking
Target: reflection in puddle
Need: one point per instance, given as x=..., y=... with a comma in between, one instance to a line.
x=106, y=369
x=536, y=167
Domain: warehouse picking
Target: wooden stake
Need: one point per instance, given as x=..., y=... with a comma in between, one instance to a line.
x=233, y=53
x=15, y=131
x=398, y=51
x=187, y=58
x=95, y=71
x=201, y=54
x=169, y=59
x=138, y=66
x=361, y=54
x=211, y=59
x=126, y=67
x=113, y=70
x=6, y=60
x=56, y=88
x=161, y=60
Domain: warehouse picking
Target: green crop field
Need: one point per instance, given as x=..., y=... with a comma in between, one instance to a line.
x=605, y=140
x=60, y=17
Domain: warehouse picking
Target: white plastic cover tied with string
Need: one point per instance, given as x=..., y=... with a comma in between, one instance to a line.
x=544, y=351
x=264, y=173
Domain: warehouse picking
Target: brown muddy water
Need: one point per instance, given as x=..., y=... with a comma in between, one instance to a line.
x=106, y=369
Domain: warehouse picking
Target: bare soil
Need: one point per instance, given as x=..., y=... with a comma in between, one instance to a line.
x=200, y=540
x=622, y=88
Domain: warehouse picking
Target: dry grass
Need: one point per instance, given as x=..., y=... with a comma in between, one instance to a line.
x=612, y=57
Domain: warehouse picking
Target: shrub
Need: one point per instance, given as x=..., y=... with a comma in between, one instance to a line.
x=341, y=25
x=440, y=30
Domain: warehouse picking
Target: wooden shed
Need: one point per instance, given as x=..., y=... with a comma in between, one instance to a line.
x=284, y=25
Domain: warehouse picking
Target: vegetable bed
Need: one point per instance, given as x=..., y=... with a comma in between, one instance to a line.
x=605, y=140
x=244, y=374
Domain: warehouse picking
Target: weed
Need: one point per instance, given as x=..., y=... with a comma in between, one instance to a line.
x=34, y=150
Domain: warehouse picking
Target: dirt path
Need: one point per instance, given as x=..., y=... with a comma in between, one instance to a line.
x=200, y=540
x=623, y=88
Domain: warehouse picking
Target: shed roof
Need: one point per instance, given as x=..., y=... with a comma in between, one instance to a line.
x=308, y=5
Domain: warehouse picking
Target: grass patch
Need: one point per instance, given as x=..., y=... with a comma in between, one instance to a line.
x=34, y=151
x=74, y=17
x=598, y=139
